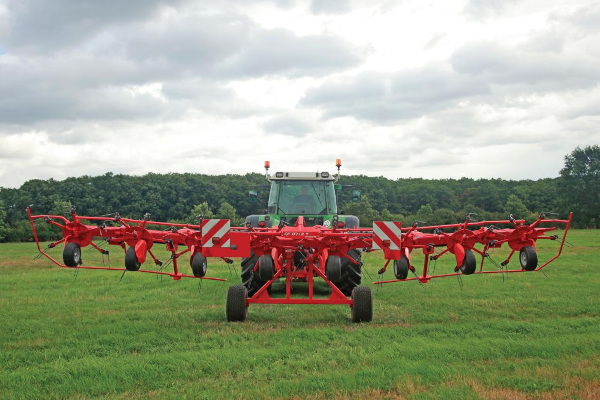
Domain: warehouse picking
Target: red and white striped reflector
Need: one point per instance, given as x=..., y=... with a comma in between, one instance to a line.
x=389, y=232
x=215, y=228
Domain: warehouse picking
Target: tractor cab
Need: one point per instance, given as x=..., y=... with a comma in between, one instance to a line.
x=310, y=194
x=302, y=193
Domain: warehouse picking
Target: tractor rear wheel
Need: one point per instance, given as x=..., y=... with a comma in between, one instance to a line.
x=333, y=269
x=72, y=254
x=251, y=279
x=401, y=267
x=199, y=265
x=362, y=310
x=266, y=268
x=528, y=258
x=351, y=272
x=469, y=264
x=131, y=261
x=236, y=308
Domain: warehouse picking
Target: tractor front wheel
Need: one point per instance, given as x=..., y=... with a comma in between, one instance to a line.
x=131, y=260
x=469, y=264
x=251, y=278
x=362, y=309
x=351, y=272
x=266, y=268
x=333, y=269
x=72, y=255
x=236, y=308
x=401, y=267
x=528, y=258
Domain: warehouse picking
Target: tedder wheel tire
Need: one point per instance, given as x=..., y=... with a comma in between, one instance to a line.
x=72, y=255
x=401, y=267
x=362, y=310
x=131, y=261
x=351, y=272
x=469, y=264
x=266, y=268
x=199, y=266
x=528, y=258
x=333, y=269
x=236, y=308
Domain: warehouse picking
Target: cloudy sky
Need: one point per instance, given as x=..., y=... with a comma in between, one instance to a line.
x=477, y=88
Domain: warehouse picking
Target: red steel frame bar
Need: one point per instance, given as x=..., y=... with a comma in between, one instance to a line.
x=174, y=275
x=425, y=278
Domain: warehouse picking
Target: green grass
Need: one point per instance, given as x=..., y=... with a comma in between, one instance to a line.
x=529, y=336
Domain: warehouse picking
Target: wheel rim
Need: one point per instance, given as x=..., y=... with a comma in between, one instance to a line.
x=523, y=258
x=76, y=255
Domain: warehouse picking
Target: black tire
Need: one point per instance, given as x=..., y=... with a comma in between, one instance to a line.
x=469, y=264
x=72, y=255
x=351, y=272
x=362, y=310
x=528, y=258
x=236, y=308
x=401, y=267
x=250, y=278
x=199, y=265
x=131, y=261
x=266, y=268
x=333, y=269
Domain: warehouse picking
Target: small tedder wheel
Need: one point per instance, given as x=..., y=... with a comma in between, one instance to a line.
x=72, y=255
x=131, y=261
x=333, y=269
x=401, y=268
x=198, y=263
x=236, y=309
x=528, y=258
x=362, y=310
x=469, y=264
x=266, y=268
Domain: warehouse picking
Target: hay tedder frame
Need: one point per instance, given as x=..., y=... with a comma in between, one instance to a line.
x=300, y=252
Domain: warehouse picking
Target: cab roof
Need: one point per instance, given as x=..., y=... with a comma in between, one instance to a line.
x=303, y=176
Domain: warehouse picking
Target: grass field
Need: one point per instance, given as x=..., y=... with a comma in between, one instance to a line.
x=514, y=337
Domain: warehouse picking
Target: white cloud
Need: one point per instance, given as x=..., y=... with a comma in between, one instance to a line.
x=474, y=88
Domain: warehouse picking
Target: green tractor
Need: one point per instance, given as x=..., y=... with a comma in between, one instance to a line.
x=311, y=195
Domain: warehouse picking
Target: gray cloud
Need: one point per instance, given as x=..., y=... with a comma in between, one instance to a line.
x=386, y=98
x=534, y=71
x=330, y=6
x=485, y=9
x=288, y=125
x=76, y=73
x=586, y=18
x=41, y=26
x=477, y=73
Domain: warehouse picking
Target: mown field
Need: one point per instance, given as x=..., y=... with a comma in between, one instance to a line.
x=517, y=336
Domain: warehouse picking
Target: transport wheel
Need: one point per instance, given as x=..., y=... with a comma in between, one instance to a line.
x=469, y=264
x=362, y=311
x=131, y=261
x=250, y=278
x=266, y=268
x=351, y=272
x=401, y=267
x=236, y=308
x=333, y=269
x=72, y=255
x=199, y=265
x=528, y=258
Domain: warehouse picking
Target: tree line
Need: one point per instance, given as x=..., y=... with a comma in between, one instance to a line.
x=181, y=197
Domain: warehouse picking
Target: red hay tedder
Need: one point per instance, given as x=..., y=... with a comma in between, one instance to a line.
x=303, y=238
